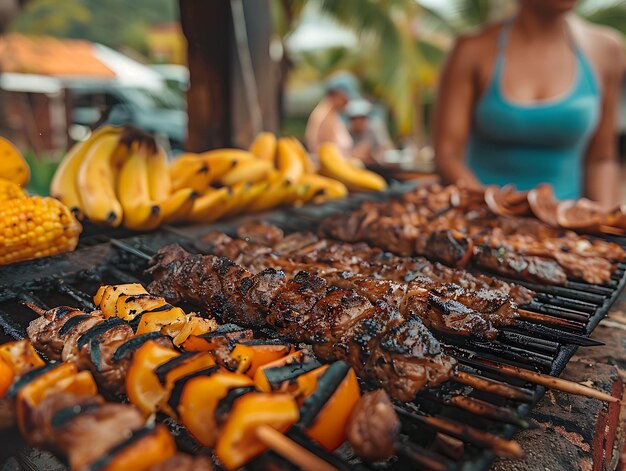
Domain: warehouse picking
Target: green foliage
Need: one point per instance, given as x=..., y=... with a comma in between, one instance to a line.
x=41, y=173
x=114, y=23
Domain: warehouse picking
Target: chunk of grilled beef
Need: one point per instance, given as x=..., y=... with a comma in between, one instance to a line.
x=260, y=233
x=373, y=427
x=55, y=411
x=44, y=334
x=89, y=435
x=298, y=241
x=407, y=358
x=512, y=265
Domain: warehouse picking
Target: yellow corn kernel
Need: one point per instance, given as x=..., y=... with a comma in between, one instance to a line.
x=34, y=227
x=10, y=190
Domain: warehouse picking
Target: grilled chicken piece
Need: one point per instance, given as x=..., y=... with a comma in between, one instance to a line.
x=91, y=434
x=260, y=233
x=373, y=427
x=182, y=462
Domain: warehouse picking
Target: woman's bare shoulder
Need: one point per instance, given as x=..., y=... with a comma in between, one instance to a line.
x=604, y=44
x=476, y=47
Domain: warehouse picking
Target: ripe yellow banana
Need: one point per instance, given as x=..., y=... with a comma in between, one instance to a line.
x=159, y=180
x=334, y=165
x=247, y=171
x=307, y=161
x=140, y=212
x=288, y=162
x=279, y=191
x=178, y=205
x=237, y=193
x=96, y=182
x=320, y=188
x=220, y=161
x=264, y=146
x=64, y=186
x=210, y=206
x=190, y=172
x=245, y=198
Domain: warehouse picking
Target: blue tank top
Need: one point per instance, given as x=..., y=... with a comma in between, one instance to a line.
x=543, y=141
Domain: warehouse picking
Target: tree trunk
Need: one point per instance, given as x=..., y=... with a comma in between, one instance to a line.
x=207, y=25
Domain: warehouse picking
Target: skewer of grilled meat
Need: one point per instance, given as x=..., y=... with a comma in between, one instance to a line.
x=378, y=342
x=431, y=236
x=305, y=248
x=444, y=307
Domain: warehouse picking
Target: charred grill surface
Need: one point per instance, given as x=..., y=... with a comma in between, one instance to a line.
x=383, y=346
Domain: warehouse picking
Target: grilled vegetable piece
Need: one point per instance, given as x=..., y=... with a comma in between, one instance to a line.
x=142, y=384
x=44, y=382
x=256, y=353
x=238, y=443
x=107, y=295
x=278, y=374
x=129, y=306
x=36, y=227
x=200, y=398
x=7, y=375
x=20, y=356
x=325, y=413
x=169, y=320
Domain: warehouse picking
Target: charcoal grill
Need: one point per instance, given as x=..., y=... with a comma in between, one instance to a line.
x=119, y=257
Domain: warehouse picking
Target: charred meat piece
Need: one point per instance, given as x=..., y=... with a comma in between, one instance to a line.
x=260, y=233
x=298, y=241
x=222, y=340
x=46, y=333
x=89, y=435
x=448, y=247
x=373, y=427
x=56, y=411
x=406, y=359
x=531, y=268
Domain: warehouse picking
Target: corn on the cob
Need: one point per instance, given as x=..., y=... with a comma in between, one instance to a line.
x=36, y=227
x=10, y=190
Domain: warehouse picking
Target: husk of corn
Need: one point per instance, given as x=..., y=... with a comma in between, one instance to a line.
x=36, y=227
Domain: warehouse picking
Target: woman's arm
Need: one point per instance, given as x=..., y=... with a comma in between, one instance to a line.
x=453, y=115
x=602, y=175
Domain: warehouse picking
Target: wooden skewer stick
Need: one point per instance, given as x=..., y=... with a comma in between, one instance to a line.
x=500, y=446
x=535, y=316
x=492, y=386
x=551, y=382
x=39, y=311
x=290, y=450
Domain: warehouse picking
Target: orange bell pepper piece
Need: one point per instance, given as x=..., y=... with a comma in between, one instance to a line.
x=237, y=443
x=146, y=448
x=60, y=378
x=160, y=321
x=177, y=367
x=251, y=355
x=325, y=413
x=194, y=326
x=21, y=356
x=143, y=387
x=6, y=377
x=275, y=375
x=200, y=398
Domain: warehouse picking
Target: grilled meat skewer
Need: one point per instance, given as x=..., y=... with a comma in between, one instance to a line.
x=398, y=353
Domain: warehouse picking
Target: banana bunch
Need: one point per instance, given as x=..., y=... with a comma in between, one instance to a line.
x=273, y=172
x=120, y=176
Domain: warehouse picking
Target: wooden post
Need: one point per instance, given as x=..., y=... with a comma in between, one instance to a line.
x=207, y=25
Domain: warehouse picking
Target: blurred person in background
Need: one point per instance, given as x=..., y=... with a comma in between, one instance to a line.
x=325, y=123
x=533, y=99
x=370, y=137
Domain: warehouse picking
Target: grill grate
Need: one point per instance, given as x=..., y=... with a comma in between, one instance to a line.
x=73, y=279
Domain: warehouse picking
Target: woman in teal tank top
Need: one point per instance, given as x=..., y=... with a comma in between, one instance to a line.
x=527, y=102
